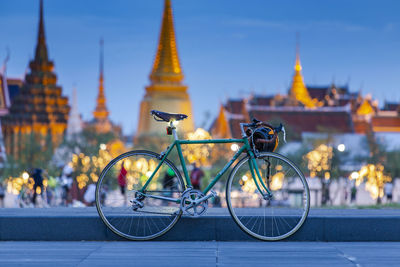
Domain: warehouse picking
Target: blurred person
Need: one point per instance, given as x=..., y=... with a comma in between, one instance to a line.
x=353, y=194
x=90, y=195
x=122, y=181
x=66, y=184
x=195, y=176
x=168, y=182
x=388, y=190
x=2, y=195
x=38, y=184
x=50, y=190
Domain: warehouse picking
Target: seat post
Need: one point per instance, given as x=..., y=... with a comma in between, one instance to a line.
x=174, y=133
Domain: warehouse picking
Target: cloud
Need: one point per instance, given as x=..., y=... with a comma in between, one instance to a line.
x=258, y=23
x=296, y=25
x=390, y=27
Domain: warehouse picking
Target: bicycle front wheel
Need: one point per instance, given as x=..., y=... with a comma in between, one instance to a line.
x=122, y=207
x=273, y=218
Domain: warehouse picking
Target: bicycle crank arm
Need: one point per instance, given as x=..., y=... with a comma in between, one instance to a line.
x=212, y=194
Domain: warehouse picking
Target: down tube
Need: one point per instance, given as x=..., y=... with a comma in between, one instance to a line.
x=226, y=167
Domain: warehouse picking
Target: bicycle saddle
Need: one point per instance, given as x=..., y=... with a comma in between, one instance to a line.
x=164, y=116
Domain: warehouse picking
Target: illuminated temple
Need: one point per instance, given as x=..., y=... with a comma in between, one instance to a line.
x=330, y=109
x=166, y=91
x=39, y=106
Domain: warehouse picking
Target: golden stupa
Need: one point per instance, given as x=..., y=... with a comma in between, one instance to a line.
x=298, y=91
x=166, y=91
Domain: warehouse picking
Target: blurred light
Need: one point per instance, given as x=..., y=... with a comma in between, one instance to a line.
x=327, y=175
x=175, y=123
x=354, y=175
x=244, y=178
x=341, y=147
x=25, y=175
x=103, y=146
x=234, y=147
x=277, y=181
x=148, y=174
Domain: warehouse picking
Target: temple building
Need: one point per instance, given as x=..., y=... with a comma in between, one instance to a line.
x=329, y=109
x=38, y=107
x=101, y=122
x=166, y=91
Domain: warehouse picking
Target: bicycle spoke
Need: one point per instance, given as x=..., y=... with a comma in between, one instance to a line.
x=132, y=215
x=268, y=219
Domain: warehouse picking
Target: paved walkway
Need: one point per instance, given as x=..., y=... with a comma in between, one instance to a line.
x=199, y=254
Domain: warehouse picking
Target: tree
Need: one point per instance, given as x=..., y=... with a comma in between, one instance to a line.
x=376, y=180
x=391, y=164
x=36, y=151
x=319, y=163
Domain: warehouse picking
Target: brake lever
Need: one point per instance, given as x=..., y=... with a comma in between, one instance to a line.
x=281, y=128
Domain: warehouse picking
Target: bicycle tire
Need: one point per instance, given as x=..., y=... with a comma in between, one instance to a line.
x=112, y=211
x=276, y=218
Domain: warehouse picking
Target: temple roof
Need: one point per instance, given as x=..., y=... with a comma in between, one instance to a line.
x=166, y=66
x=305, y=120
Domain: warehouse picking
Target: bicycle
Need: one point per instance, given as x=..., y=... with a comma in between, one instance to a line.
x=266, y=194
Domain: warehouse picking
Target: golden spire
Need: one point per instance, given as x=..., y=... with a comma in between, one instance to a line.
x=298, y=91
x=41, y=49
x=166, y=66
x=101, y=112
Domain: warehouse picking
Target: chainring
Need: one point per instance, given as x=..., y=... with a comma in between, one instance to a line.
x=188, y=205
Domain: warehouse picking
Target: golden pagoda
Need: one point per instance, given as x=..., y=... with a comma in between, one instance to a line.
x=39, y=108
x=365, y=108
x=166, y=91
x=101, y=122
x=298, y=90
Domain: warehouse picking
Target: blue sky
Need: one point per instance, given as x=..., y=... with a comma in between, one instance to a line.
x=227, y=48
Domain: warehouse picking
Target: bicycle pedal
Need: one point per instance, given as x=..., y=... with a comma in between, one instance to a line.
x=136, y=204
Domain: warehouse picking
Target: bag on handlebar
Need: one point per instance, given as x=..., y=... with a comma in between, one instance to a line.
x=263, y=139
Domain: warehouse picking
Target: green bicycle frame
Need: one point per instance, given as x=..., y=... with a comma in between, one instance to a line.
x=246, y=147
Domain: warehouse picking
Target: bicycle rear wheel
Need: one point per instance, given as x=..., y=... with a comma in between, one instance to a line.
x=268, y=219
x=121, y=208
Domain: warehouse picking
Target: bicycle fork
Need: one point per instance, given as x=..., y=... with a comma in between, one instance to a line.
x=255, y=172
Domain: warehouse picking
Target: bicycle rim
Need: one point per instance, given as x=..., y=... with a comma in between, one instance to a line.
x=116, y=205
x=268, y=219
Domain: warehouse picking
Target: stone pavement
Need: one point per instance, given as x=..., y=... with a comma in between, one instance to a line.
x=199, y=254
